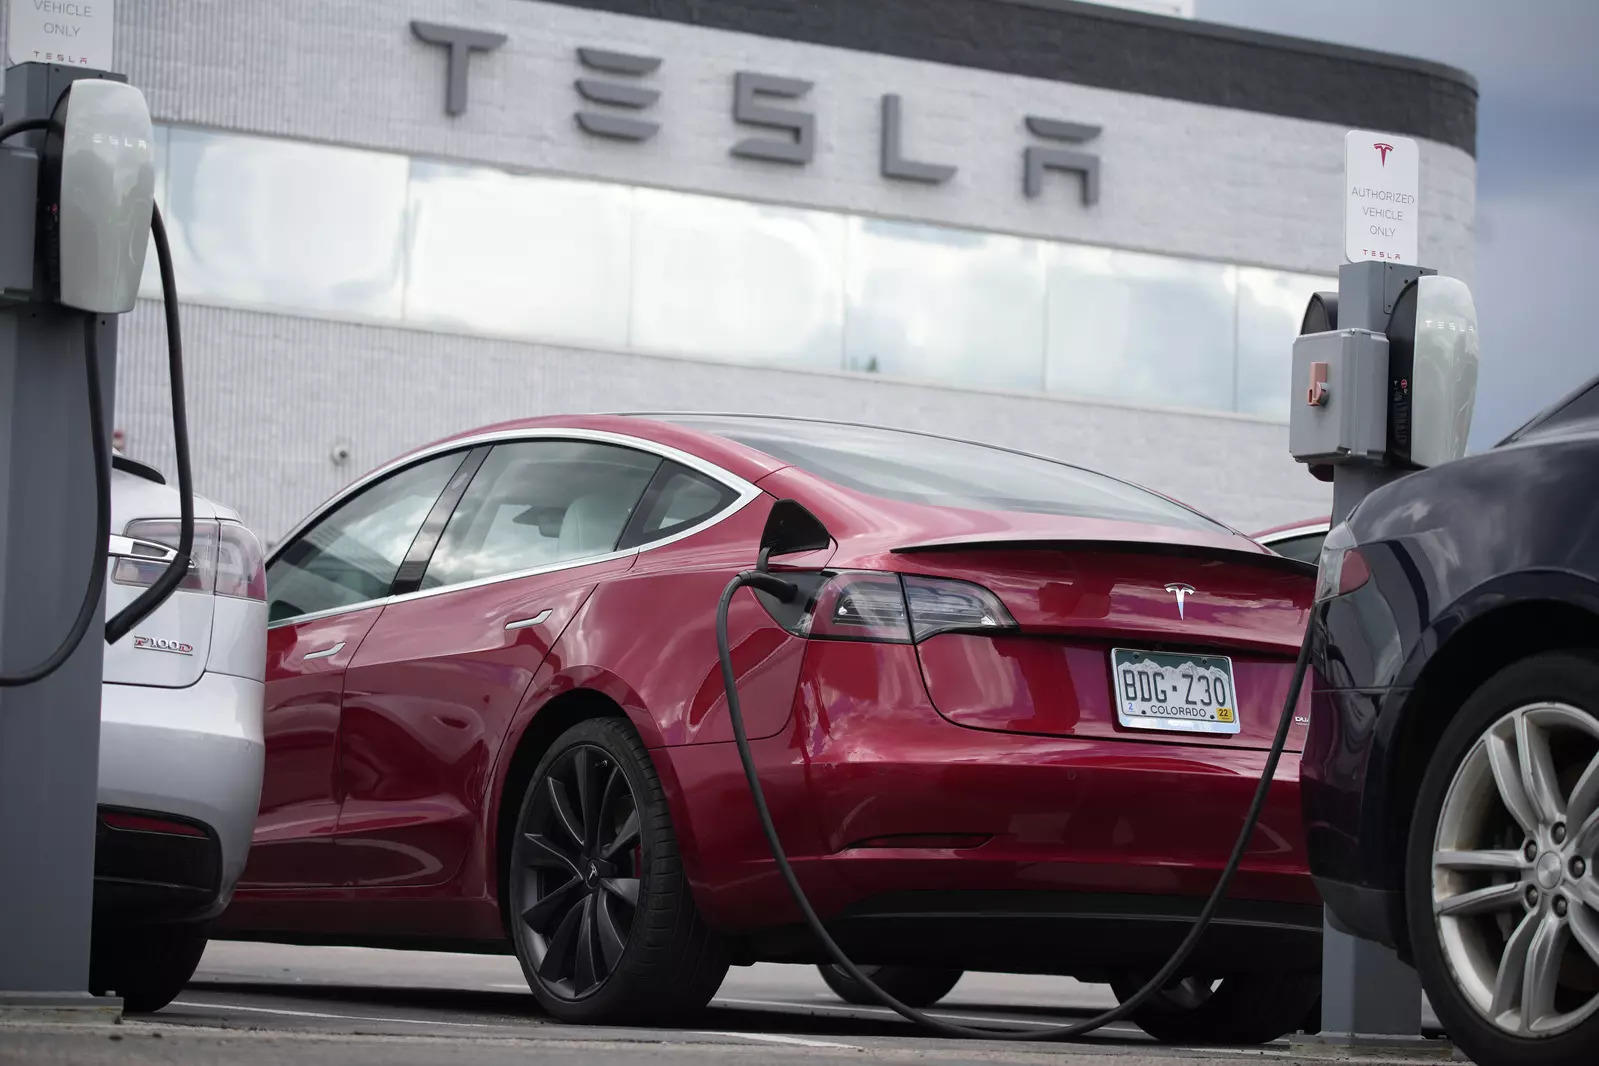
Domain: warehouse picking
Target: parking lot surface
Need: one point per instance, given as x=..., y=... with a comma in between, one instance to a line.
x=267, y=1004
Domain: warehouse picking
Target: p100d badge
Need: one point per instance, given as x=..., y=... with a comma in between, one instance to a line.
x=176, y=647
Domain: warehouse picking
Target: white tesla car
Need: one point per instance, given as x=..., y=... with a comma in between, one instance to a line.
x=180, y=740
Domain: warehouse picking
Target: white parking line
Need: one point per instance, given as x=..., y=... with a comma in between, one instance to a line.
x=773, y=1038
x=319, y=1014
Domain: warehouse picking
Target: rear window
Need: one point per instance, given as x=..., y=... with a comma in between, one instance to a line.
x=917, y=468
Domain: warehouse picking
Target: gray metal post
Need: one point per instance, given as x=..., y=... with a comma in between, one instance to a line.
x=50, y=730
x=1367, y=994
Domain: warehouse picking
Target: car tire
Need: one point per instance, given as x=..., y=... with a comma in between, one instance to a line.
x=1468, y=956
x=147, y=965
x=1240, y=1009
x=600, y=911
x=914, y=986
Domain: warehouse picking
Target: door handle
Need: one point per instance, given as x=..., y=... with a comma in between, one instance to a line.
x=524, y=623
x=325, y=653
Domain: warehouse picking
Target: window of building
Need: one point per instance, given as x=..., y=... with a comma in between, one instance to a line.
x=343, y=232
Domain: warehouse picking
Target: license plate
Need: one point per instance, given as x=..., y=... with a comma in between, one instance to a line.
x=1165, y=690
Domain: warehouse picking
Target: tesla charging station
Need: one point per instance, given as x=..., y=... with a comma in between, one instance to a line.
x=1384, y=379
x=76, y=195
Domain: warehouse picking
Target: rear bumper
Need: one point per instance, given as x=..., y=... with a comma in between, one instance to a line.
x=1351, y=829
x=1091, y=936
x=876, y=796
x=196, y=754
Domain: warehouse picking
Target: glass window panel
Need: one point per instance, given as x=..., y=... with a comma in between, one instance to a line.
x=352, y=554
x=1141, y=328
x=150, y=280
x=678, y=499
x=1271, y=304
x=944, y=304
x=275, y=223
x=924, y=469
x=739, y=281
x=518, y=255
x=537, y=503
x=1307, y=549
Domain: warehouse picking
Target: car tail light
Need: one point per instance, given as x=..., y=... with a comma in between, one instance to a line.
x=888, y=608
x=202, y=561
x=241, y=569
x=227, y=558
x=1341, y=569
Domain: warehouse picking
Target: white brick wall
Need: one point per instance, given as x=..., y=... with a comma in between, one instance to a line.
x=271, y=395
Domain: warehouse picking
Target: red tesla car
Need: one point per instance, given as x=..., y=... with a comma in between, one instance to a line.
x=1014, y=725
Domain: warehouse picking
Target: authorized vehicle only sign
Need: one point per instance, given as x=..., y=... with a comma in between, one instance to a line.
x=76, y=33
x=1382, y=175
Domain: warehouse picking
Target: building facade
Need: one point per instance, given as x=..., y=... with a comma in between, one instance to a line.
x=1077, y=230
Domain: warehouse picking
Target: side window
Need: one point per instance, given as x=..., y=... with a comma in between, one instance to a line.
x=353, y=552
x=678, y=499
x=538, y=503
x=1306, y=549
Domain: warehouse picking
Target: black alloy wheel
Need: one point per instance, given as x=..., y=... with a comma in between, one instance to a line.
x=600, y=912
x=581, y=841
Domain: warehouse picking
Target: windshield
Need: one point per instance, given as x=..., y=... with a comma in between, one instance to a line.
x=918, y=468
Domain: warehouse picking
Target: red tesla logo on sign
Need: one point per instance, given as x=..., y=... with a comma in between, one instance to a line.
x=1384, y=149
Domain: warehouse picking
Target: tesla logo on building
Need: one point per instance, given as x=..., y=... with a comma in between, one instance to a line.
x=1384, y=149
x=1181, y=591
x=618, y=103
x=176, y=647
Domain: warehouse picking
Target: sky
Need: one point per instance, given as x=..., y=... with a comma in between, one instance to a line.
x=1537, y=170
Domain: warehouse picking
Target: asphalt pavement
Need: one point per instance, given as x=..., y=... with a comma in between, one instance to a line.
x=269, y=1004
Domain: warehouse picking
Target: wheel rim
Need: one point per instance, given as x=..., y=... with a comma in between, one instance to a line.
x=579, y=858
x=1188, y=993
x=1514, y=892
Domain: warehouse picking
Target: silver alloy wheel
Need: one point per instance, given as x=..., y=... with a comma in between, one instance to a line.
x=1514, y=889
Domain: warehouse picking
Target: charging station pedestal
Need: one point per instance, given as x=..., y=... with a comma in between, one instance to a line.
x=1389, y=374
x=49, y=730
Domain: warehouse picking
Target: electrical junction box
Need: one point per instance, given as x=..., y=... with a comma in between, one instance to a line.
x=1339, y=411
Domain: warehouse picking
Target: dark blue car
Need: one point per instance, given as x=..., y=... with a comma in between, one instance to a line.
x=1451, y=774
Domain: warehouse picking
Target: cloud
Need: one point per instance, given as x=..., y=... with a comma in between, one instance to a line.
x=1537, y=169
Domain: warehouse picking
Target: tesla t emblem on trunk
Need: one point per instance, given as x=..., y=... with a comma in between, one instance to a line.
x=1180, y=590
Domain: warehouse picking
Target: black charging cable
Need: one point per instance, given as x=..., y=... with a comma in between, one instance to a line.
x=156, y=594
x=178, y=567
x=23, y=125
x=786, y=591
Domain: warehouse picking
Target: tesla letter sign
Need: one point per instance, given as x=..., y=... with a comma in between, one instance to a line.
x=1382, y=174
x=75, y=33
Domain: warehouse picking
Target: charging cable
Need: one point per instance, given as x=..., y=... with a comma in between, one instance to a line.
x=786, y=591
x=157, y=593
x=178, y=567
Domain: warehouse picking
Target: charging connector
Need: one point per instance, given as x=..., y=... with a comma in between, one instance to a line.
x=785, y=591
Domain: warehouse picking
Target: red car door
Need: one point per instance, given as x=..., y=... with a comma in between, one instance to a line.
x=299, y=801
x=326, y=587
x=432, y=690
